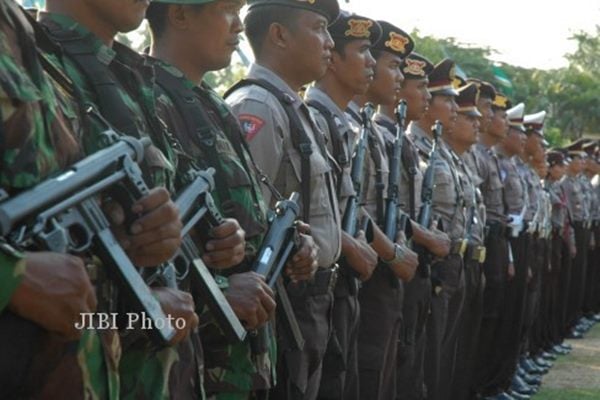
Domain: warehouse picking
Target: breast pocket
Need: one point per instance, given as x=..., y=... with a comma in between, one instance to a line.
x=443, y=186
x=242, y=203
x=319, y=168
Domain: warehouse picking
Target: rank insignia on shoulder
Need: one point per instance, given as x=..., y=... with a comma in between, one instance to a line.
x=251, y=125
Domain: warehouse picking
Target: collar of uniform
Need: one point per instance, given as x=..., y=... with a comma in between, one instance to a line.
x=172, y=70
x=354, y=111
x=384, y=118
x=420, y=137
x=314, y=93
x=104, y=53
x=258, y=71
x=389, y=135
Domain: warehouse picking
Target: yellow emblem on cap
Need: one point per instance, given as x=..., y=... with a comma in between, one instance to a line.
x=307, y=1
x=397, y=42
x=359, y=28
x=500, y=101
x=452, y=73
x=456, y=83
x=415, y=67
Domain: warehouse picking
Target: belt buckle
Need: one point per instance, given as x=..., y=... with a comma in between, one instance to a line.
x=333, y=277
x=482, y=254
x=463, y=247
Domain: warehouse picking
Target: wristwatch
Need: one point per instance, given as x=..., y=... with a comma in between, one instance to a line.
x=398, y=255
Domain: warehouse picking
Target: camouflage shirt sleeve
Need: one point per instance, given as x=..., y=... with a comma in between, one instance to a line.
x=12, y=268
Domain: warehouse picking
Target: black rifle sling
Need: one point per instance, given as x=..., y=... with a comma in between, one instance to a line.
x=196, y=121
x=408, y=163
x=339, y=152
x=300, y=139
x=379, y=184
x=105, y=86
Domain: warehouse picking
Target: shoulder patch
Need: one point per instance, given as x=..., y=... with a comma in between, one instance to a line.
x=251, y=125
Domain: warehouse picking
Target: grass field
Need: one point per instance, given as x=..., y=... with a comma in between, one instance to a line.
x=577, y=375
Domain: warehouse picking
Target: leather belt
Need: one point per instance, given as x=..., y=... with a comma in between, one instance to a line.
x=324, y=281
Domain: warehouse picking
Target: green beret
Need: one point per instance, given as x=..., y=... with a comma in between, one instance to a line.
x=186, y=2
x=328, y=8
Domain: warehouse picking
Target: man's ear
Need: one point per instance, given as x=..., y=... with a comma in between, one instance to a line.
x=177, y=16
x=279, y=35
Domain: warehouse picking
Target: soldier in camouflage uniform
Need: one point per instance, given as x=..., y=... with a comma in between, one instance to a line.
x=41, y=294
x=181, y=58
x=120, y=83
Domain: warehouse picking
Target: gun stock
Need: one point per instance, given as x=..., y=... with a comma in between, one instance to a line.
x=391, y=207
x=425, y=214
x=62, y=214
x=197, y=209
x=274, y=252
x=350, y=217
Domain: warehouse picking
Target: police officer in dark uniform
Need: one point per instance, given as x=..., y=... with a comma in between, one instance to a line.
x=449, y=210
x=349, y=74
x=293, y=47
x=381, y=297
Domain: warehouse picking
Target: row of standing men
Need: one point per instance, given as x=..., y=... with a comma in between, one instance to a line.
x=470, y=303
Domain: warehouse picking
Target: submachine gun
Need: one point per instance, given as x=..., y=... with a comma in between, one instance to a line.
x=425, y=212
x=391, y=223
x=63, y=215
x=350, y=219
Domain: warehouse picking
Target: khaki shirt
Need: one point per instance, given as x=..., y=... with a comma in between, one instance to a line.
x=534, y=188
x=410, y=165
x=575, y=199
x=347, y=136
x=485, y=163
x=375, y=149
x=267, y=131
x=588, y=196
x=596, y=185
x=514, y=187
x=473, y=198
x=448, y=194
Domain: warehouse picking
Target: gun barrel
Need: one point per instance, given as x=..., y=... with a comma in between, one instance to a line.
x=82, y=173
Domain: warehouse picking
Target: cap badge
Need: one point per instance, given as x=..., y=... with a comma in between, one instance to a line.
x=415, y=67
x=397, y=42
x=359, y=28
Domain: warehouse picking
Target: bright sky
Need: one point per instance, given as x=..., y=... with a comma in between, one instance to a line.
x=528, y=33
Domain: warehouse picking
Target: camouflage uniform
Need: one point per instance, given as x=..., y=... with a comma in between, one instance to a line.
x=232, y=371
x=33, y=112
x=130, y=108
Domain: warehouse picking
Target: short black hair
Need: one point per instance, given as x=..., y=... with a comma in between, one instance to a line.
x=258, y=22
x=156, y=14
